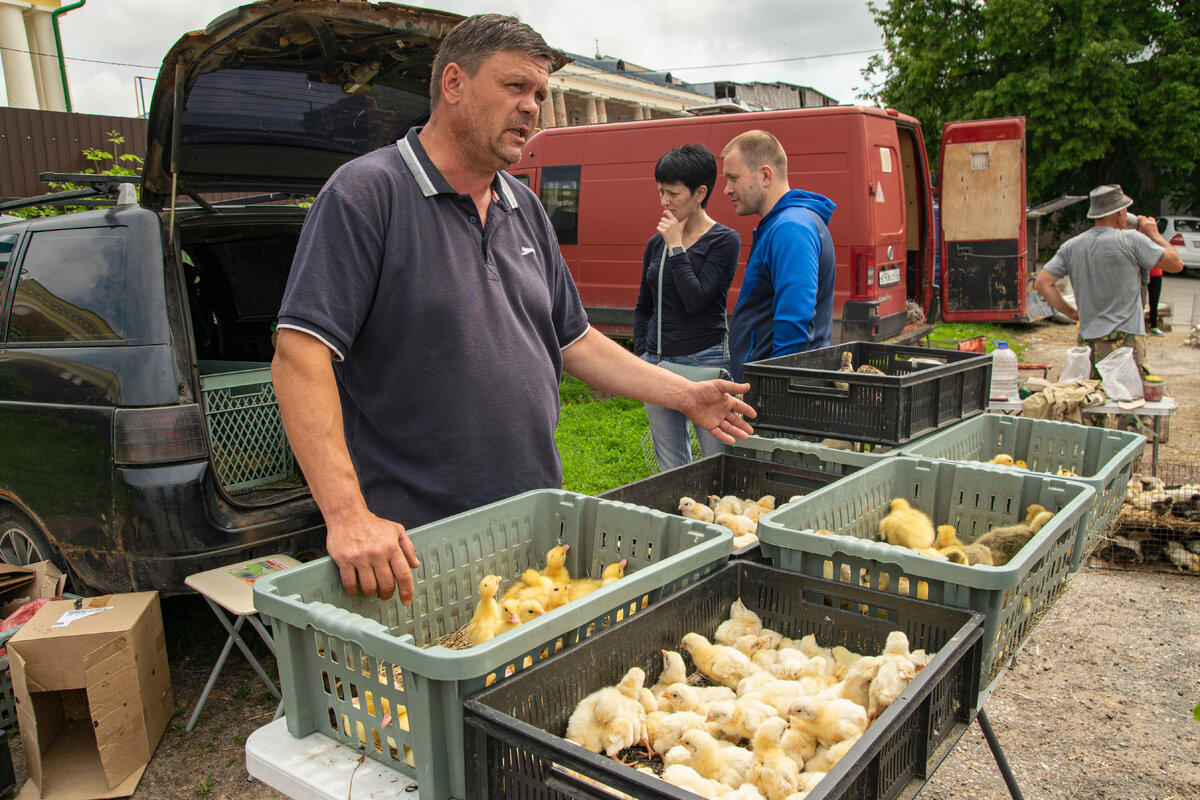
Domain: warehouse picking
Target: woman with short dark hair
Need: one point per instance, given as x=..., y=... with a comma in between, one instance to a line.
x=698, y=257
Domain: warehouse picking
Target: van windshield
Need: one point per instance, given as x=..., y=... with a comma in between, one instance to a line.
x=263, y=106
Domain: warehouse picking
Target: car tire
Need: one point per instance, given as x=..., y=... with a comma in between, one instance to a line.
x=22, y=542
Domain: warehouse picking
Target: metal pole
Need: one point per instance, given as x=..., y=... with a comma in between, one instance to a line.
x=62, y=62
x=1010, y=780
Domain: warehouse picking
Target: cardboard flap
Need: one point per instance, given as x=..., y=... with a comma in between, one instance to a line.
x=20, y=585
x=115, y=703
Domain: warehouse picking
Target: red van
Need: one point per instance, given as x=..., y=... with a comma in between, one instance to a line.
x=597, y=183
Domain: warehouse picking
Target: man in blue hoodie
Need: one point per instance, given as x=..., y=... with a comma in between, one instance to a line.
x=786, y=301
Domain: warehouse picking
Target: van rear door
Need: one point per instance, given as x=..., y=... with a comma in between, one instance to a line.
x=983, y=235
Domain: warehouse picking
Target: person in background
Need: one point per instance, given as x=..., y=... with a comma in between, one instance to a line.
x=1153, y=292
x=701, y=257
x=1107, y=265
x=786, y=301
x=429, y=314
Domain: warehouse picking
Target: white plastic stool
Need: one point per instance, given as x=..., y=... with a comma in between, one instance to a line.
x=232, y=588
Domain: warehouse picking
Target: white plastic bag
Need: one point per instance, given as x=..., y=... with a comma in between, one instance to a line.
x=1122, y=380
x=1078, y=366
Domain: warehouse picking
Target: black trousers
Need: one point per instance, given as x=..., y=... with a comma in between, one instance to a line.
x=1155, y=291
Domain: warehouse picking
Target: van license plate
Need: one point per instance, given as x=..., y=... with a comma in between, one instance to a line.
x=889, y=276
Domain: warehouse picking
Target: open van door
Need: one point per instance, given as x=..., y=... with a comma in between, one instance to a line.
x=983, y=234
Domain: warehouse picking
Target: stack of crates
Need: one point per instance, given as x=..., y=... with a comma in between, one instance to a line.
x=370, y=674
x=1100, y=458
x=515, y=749
x=973, y=498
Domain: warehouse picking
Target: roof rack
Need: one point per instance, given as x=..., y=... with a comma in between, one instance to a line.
x=97, y=187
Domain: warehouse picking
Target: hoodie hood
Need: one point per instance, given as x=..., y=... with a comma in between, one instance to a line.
x=819, y=204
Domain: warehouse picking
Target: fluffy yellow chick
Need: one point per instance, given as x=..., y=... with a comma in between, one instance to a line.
x=685, y=777
x=1032, y=510
x=488, y=617
x=555, y=569
x=633, y=686
x=742, y=622
x=741, y=526
x=693, y=510
x=729, y=504
x=1020, y=464
x=581, y=586
x=735, y=720
x=1003, y=459
x=723, y=665
x=728, y=765
x=830, y=720
x=682, y=697
x=665, y=727
x=531, y=586
x=559, y=595
x=772, y=771
x=607, y=721
x=907, y=526
x=826, y=757
x=947, y=536
x=674, y=671
x=894, y=677
x=857, y=683
x=509, y=607
x=529, y=610
x=799, y=743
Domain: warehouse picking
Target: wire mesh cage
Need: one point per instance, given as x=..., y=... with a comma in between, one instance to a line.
x=1159, y=521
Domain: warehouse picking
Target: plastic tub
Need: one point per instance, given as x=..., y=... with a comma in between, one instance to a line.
x=1101, y=458
x=352, y=667
x=515, y=749
x=972, y=497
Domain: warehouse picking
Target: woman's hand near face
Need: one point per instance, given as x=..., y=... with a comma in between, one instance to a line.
x=671, y=230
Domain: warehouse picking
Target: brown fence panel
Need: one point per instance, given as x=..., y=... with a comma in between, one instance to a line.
x=33, y=141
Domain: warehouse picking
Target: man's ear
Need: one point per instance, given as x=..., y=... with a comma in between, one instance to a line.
x=767, y=174
x=453, y=78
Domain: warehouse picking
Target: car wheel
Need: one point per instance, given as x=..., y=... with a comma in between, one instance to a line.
x=22, y=542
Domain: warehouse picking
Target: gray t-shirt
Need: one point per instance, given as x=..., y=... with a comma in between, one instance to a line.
x=1107, y=267
x=447, y=335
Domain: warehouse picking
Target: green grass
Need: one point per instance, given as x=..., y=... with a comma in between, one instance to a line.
x=600, y=439
x=958, y=331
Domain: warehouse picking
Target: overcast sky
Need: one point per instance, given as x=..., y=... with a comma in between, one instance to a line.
x=798, y=39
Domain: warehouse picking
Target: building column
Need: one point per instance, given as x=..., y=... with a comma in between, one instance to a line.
x=637, y=113
x=589, y=109
x=601, y=110
x=19, y=79
x=41, y=35
x=560, y=109
x=546, y=112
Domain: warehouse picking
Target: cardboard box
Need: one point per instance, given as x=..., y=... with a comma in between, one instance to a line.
x=20, y=585
x=93, y=694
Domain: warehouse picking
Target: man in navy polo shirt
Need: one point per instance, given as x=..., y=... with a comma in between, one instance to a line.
x=429, y=315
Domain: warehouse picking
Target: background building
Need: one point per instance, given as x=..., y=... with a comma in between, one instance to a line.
x=35, y=74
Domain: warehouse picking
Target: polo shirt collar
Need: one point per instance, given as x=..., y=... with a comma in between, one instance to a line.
x=431, y=180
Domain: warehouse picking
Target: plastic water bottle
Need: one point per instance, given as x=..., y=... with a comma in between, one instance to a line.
x=1004, y=373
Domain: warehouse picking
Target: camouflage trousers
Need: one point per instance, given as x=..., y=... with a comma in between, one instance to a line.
x=1106, y=344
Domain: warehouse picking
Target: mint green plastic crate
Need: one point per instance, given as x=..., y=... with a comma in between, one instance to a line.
x=796, y=452
x=972, y=497
x=349, y=663
x=1102, y=459
x=249, y=447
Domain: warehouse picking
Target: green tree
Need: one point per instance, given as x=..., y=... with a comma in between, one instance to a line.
x=1108, y=87
x=100, y=162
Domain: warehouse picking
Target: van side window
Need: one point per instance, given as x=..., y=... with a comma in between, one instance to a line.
x=560, y=196
x=72, y=288
x=7, y=243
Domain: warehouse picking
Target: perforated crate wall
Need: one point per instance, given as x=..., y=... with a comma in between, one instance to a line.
x=249, y=447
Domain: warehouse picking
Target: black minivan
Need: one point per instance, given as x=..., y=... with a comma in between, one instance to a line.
x=140, y=441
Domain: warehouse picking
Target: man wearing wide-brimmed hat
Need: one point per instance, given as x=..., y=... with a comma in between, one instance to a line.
x=1107, y=265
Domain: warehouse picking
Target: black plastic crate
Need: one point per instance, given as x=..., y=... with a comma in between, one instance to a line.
x=513, y=731
x=726, y=474
x=804, y=393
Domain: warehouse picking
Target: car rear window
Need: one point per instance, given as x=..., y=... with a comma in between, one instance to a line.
x=72, y=288
x=274, y=107
x=1187, y=225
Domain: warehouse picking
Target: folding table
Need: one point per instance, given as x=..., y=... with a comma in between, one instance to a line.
x=231, y=589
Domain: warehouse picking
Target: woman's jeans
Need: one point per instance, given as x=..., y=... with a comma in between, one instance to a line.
x=670, y=428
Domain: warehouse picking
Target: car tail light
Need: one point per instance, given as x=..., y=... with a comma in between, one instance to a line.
x=158, y=435
x=862, y=266
x=1177, y=240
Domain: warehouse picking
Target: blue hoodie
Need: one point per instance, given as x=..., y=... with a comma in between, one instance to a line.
x=786, y=301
